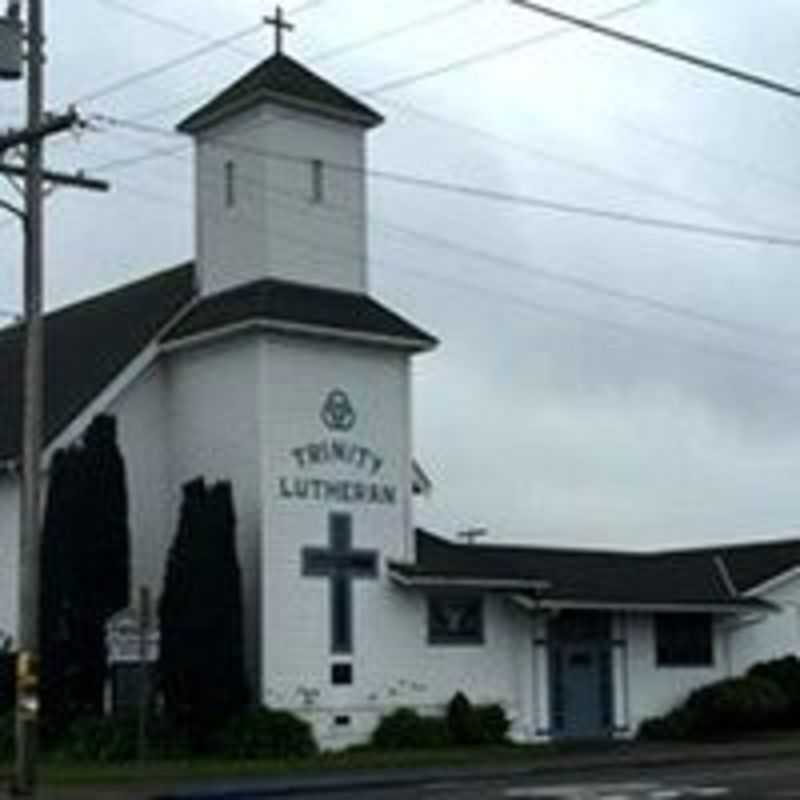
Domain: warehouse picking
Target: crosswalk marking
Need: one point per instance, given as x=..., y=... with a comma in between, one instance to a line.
x=618, y=791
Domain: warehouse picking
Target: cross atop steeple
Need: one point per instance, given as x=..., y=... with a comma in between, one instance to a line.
x=280, y=25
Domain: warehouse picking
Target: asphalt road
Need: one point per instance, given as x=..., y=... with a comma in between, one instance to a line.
x=770, y=779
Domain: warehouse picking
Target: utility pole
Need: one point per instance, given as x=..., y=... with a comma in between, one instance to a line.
x=38, y=127
x=33, y=390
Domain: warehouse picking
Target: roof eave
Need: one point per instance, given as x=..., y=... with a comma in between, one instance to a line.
x=176, y=342
x=404, y=578
x=207, y=116
x=532, y=593
x=725, y=607
x=773, y=582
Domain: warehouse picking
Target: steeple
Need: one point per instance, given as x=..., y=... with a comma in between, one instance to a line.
x=282, y=81
x=280, y=178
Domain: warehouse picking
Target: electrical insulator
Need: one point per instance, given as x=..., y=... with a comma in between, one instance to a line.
x=10, y=48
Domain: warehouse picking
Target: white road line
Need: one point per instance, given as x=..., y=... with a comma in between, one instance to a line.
x=584, y=791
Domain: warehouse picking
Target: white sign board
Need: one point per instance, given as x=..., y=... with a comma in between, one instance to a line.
x=124, y=639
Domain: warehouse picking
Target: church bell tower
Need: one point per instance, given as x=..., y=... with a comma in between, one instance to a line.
x=280, y=179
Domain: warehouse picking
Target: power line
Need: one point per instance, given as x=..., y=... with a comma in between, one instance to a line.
x=497, y=196
x=663, y=50
x=169, y=23
x=214, y=44
x=786, y=368
x=156, y=19
x=389, y=33
x=416, y=77
x=348, y=217
x=696, y=151
x=639, y=185
x=337, y=51
x=122, y=83
x=586, y=167
x=495, y=52
x=571, y=163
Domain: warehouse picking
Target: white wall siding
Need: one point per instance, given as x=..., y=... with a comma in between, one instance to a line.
x=141, y=426
x=654, y=690
x=392, y=662
x=274, y=228
x=213, y=430
x=761, y=636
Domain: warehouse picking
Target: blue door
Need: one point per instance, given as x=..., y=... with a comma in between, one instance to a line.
x=580, y=680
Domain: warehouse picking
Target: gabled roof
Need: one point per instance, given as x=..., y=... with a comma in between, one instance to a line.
x=575, y=577
x=283, y=81
x=87, y=345
x=284, y=304
x=90, y=343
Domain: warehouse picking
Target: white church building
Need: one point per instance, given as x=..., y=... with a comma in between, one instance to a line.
x=266, y=362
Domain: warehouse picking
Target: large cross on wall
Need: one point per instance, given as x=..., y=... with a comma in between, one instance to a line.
x=341, y=565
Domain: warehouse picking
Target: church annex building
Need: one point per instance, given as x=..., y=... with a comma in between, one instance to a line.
x=267, y=363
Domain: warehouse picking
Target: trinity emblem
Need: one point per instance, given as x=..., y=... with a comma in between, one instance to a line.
x=337, y=412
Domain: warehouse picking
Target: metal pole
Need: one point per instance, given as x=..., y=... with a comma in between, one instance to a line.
x=27, y=690
x=144, y=672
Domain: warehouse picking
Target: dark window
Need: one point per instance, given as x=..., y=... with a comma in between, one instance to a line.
x=341, y=720
x=342, y=674
x=455, y=619
x=684, y=640
x=317, y=181
x=230, y=184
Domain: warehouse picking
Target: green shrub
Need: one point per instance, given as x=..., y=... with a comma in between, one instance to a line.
x=723, y=708
x=492, y=723
x=785, y=672
x=462, y=722
x=676, y=725
x=462, y=725
x=265, y=733
x=99, y=739
x=116, y=739
x=7, y=736
x=736, y=705
x=405, y=729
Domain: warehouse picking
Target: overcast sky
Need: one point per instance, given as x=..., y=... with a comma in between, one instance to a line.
x=598, y=383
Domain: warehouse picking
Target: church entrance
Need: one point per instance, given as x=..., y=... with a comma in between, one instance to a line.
x=579, y=644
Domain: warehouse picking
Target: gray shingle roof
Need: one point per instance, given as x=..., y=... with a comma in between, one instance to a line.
x=285, y=302
x=751, y=564
x=283, y=81
x=602, y=577
x=87, y=345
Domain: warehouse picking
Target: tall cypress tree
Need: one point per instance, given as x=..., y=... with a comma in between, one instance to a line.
x=228, y=686
x=57, y=606
x=102, y=543
x=202, y=664
x=85, y=571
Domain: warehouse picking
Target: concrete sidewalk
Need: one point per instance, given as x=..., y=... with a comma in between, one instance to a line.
x=617, y=756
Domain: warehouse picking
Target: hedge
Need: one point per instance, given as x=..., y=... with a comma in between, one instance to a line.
x=462, y=725
x=726, y=707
